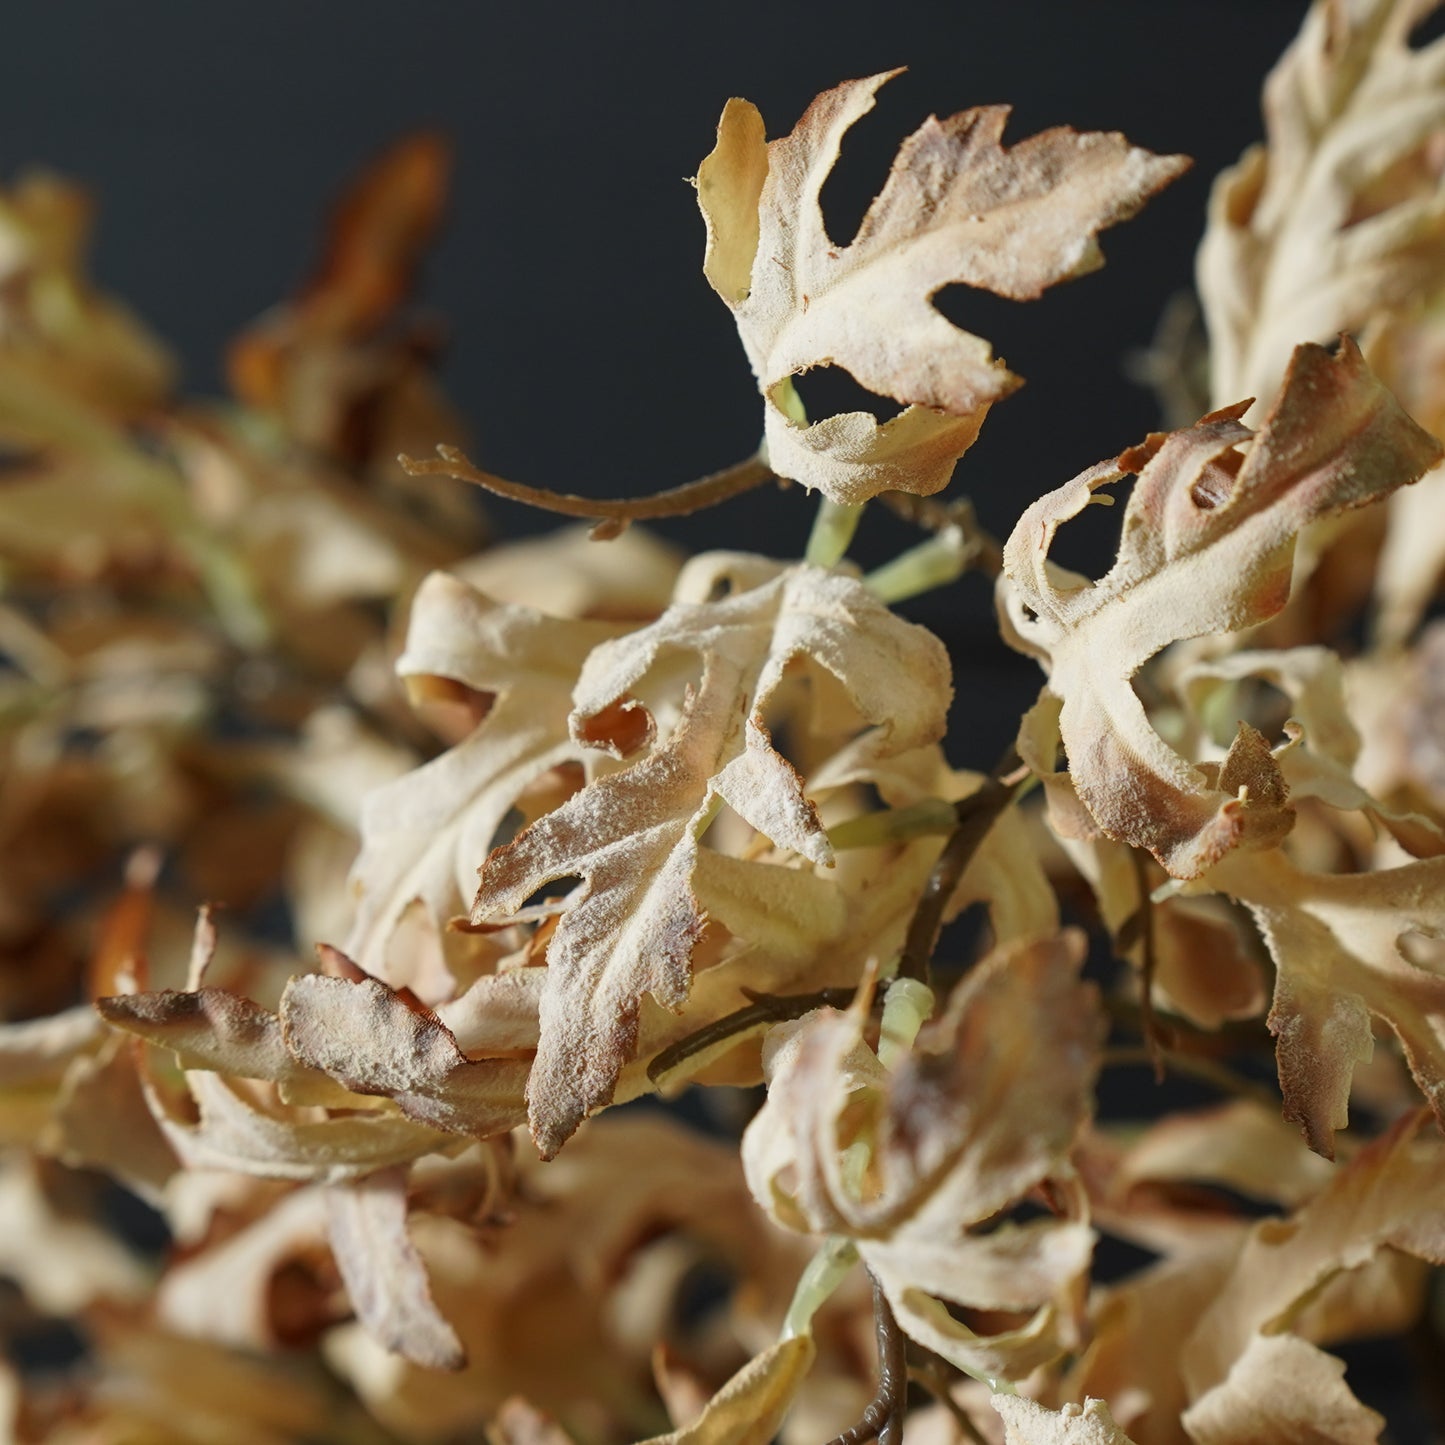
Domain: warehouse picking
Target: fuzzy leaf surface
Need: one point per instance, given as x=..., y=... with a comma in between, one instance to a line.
x=958, y=207
x=629, y=930
x=1207, y=545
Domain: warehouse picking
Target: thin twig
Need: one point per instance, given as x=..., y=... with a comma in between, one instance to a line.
x=764, y=1009
x=1232, y=1036
x=929, y=1373
x=976, y=815
x=675, y=502
x=883, y=1419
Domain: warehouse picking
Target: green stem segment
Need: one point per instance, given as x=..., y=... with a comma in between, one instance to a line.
x=833, y=530
x=822, y=1275
x=941, y=559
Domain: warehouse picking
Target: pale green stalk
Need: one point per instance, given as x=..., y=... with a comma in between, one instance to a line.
x=833, y=530
x=894, y=825
x=942, y=559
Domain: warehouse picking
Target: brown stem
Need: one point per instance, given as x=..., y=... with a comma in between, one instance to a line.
x=1233, y=1036
x=612, y=514
x=764, y=1009
x=883, y=1419
x=976, y=814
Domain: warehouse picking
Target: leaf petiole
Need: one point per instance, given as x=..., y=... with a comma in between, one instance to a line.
x=935, y=562
x=821, y=1276
x=894, y=825
x=833, y=529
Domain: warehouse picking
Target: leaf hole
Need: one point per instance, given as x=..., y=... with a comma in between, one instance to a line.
x=550, y=896
x=620, y=728
x=975, y=310
x=1251, y=700
x=1116, y=1259
x=830, y=390
x=864, y=159
x=1428, y=30
x=1087, y=543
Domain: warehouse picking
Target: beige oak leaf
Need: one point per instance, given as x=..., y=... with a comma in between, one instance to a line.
x=1338, y=943
x=369, y=1039
x=1340, y=217
x=1282, y=1388
x=987, y=1105
x=632, y=836
x=1026, y=1422
x=958, y=207
x=1207, y=544
x=1245, y=1385
x=335, y=1046
x=423, y=835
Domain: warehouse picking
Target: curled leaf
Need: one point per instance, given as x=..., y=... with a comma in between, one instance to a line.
x=384, y=1274
x=1207, y=543
x=632, y=836
x=750, y=1407
x=986, y=1106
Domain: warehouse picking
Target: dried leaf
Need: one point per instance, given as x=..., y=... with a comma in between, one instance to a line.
x=224, y=1292
x=749, y=1409
x=424, y=835
x=384, y=1274
x=1207, y=541
x=59, y=1263
x=957, y=208
x=1281, y=1388
x=366, y=1037
x=518, y=1423
x=1386, y=1198
x=987, y=1105
x=632, y=835
x=1340, y=217
x=1336, y=942
x=1026, y=1422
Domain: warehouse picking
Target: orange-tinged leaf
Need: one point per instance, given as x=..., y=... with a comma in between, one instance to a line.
x=1207, y=543
x=1336, y=943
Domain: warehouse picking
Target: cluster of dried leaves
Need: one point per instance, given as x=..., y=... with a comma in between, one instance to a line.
x=300, y=959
